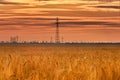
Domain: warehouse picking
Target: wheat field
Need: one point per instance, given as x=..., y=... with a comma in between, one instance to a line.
x=43, y=62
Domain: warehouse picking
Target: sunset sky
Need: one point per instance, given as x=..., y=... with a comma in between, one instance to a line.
x=80, y=20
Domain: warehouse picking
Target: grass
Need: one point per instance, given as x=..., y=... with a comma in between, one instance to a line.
x=35, y=62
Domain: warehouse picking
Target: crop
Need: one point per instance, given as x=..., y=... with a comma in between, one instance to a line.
x=43, y=62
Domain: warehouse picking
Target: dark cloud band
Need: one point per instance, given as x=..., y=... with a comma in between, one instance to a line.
x=51, y=22
x=114, y=7
x=12, y=3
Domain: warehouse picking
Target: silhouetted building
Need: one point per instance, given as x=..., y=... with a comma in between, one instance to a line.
x=2, y=42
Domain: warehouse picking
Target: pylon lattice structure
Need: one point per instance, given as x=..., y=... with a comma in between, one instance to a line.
x=14, y=39
x=57, y=37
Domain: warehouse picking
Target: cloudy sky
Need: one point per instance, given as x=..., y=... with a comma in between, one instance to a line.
x=80, y=20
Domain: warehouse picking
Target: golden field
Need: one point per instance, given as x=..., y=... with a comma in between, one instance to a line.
x=43, y=62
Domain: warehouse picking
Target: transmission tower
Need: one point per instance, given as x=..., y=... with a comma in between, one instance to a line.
x=14, y=39
x=57, y=39
x=51, y=39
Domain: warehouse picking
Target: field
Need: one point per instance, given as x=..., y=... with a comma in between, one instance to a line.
x=43, y=62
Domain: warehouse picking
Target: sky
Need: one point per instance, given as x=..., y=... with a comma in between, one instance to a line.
x=79, y=20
